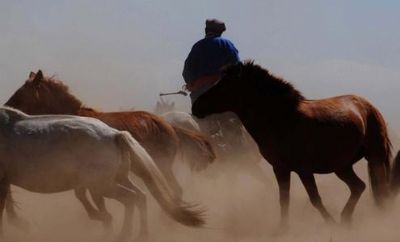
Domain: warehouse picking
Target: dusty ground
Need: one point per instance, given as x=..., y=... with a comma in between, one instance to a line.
x=239, y=209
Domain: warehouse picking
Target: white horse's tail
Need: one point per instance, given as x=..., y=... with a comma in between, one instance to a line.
x=143, y=166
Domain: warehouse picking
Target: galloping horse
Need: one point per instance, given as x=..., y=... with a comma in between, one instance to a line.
x=45, y=95
x=177, y=118
x=305, y=136
x=56, y=153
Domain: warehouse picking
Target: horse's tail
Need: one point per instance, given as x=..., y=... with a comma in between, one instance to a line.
x=195, y=147
x=143, y=166
x=378, y=154
x=395, y=176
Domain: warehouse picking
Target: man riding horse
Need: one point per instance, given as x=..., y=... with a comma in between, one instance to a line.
x=202, y=70
x=207, y=57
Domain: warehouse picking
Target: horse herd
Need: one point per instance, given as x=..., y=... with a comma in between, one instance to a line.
x=50, y=142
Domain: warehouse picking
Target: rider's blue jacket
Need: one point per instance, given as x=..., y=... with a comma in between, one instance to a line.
x=207, y=57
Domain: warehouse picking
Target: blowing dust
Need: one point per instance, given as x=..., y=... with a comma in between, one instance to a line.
x=242, y=205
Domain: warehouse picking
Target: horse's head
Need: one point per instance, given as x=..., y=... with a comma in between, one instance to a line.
x=224, y=96
x=43, y=95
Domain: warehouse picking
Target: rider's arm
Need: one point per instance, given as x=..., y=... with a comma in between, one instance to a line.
x=232, y=53
x=186, y=69
x=189, y=69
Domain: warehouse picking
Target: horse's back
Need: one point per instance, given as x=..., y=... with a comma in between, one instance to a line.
x=181, y=119
x=58, y=131
x=346, y=109
x=152, y=131
x=138, y=123
x=66, y=151
x=63, y=124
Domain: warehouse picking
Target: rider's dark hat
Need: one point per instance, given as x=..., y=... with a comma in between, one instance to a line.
x=215, y=26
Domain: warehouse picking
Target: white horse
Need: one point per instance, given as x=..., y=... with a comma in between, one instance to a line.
x=56, y=153
x=177, y=118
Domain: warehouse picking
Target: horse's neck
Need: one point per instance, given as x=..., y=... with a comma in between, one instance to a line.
x=66, y=104
x=267, y=125
x=87, y=112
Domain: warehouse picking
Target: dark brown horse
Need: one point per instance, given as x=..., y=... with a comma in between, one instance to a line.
x=45, y=95
x=305, y=136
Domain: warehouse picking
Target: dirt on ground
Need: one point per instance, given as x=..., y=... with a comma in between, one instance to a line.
x=241, y=202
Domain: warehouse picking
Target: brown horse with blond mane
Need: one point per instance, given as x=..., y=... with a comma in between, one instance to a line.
x=305, y=136
x=46, y=95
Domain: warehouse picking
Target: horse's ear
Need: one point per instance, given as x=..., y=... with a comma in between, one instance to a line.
x=31, y=76
x=38, y=76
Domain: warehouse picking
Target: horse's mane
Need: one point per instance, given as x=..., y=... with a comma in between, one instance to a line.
x=55, y=83
x=58, y=88
x=88, y=109
x=268, y=84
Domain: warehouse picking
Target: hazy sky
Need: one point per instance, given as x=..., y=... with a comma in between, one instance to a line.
x=120, y=54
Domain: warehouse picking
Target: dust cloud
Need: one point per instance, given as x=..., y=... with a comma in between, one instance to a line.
x=240, y=207
x=119, y=54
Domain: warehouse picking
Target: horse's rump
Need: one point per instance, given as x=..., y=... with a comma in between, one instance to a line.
x=156, y=136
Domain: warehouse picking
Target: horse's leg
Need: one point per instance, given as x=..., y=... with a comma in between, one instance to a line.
x=12, y=215
x=283, y=178
x=92, y=212
x=10, y=209
x=106, y=217
x=127, y=197
x=3, y=197
x=356, y=186
x=308, y=181
x=142, y=207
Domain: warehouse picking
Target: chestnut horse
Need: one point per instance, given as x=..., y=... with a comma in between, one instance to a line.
x=45, y=95
x=305, y=136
